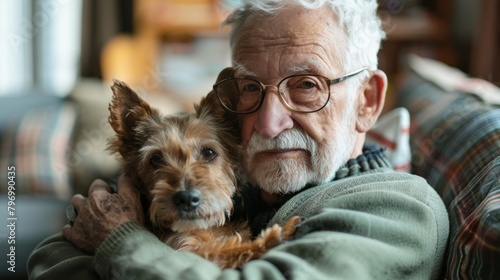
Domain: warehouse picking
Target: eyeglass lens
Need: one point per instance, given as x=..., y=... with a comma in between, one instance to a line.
x=304, y=93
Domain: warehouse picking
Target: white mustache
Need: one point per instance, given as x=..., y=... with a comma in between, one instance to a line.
x=288, y=139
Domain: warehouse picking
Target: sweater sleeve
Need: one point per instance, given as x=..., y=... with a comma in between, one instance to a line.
x=395, y=228
x=56, y=258
x=391, y=229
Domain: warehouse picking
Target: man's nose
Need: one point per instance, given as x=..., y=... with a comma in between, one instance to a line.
x=273, y=116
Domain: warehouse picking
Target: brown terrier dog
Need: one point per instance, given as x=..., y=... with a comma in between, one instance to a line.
x=185, y=166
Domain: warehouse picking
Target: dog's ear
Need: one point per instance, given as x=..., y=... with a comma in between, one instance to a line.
x=226, y=73
x=126, y=110
x=211, y=104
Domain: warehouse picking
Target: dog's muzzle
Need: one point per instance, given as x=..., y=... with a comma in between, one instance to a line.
x=187, y=200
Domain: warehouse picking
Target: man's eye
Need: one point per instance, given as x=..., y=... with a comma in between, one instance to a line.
x=208, y=154
x=156, y=160
x=252, y=87
x=302, y=83
x=307, y=85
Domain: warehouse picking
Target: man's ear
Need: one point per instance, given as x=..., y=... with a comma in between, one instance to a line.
x=371, y=101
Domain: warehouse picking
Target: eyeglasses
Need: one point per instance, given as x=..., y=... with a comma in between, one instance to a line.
x=303, y=93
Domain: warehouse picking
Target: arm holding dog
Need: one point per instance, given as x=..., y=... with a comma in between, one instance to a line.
x=110, y=210
x=98, y=215
x=132, y=251
x=327, y=245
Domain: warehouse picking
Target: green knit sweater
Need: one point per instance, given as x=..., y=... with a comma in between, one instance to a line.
x=379, y=224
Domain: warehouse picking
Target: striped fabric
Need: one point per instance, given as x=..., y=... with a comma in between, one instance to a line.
x=455, y=142
x=392, y=132
x=37, y=145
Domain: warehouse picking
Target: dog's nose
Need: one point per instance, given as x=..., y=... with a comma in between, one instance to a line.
x=187, y=200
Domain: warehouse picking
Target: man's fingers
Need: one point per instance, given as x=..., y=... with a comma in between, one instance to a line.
x=99, y=186
x=77, y=202
x=68, y=233
x=76, y=199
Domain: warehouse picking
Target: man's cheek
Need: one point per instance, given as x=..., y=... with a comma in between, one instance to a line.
x=246, y=129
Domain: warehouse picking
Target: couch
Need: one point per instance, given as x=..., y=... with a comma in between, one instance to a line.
x=455, y=144
x=34, y=127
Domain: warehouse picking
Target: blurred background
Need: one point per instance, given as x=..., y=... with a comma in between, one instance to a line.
x=57, y=59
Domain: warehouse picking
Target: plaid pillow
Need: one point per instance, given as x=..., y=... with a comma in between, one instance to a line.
x=37, y=144
x=455, y=141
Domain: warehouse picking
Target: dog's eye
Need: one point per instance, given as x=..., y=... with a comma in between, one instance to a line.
x=156, y=160
x=172, y=181
x=208, y=154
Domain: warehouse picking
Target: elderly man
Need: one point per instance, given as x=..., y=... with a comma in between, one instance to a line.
x=311, y=92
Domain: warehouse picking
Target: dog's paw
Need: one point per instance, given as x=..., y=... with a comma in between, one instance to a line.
x=289, y=228
x=271, y=237
x=275, y=235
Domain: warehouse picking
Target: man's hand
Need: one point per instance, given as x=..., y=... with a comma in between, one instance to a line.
x=102, y=212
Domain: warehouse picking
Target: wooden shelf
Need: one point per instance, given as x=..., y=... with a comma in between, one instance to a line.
x=176, y=18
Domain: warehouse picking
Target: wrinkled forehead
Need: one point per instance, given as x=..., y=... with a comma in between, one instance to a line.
x=292, y=41
x=305, y=66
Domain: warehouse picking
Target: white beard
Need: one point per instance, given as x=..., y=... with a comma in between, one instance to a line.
x=291, y=175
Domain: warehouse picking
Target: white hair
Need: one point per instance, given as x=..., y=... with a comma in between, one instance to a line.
x=358, y=19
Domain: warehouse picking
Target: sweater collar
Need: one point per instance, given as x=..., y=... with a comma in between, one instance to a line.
x=372, y=158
